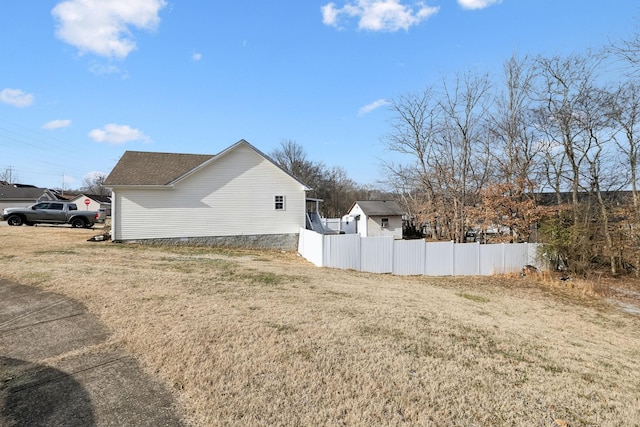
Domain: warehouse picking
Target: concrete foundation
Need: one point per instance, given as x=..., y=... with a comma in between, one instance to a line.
x=286, y=242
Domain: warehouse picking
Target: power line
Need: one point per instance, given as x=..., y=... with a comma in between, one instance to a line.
x=49, y=156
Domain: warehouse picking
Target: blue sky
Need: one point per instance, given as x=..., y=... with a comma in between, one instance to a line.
x=82, y=81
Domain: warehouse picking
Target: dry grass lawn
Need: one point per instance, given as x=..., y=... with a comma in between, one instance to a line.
x=265, y=338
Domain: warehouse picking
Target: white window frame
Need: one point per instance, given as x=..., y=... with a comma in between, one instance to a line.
x=279, y=199
x=384, y=222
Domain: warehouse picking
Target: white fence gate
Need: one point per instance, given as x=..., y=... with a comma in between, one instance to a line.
x=414, y=257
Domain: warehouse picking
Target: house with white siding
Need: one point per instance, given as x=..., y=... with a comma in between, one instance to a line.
x=375, y=218
x=238, y=197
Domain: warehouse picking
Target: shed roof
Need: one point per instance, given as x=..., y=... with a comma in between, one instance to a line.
x=379, y=207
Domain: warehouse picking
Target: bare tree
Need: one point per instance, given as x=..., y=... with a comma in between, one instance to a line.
x=628, y=50
x=459, y=160
x=625, y=113
x=553, y=168
x=292, y=158
x=595, y=121
x=563, y=82
x=94, y=184
x=405, y=183
x=440, y=130
x=575, y=113
x=8, y=175
x=471, y=157
x=414, y=134
x=516, y=141
x=332, y=185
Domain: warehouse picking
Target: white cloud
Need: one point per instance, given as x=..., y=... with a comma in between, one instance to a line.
x=56, y=124
x=477, y=4
x=118, y=134
x=378, y=15
x=104, y=27
x=16, y=97
x=372, y=106
x=330, y=14
x=196, y=57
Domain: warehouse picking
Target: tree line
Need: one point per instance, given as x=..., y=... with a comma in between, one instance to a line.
x=546, y=151
x=332, y=184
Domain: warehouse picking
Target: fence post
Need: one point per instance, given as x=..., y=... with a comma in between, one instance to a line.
x=453, y=258
x=360, y=250
x=326, y=249
x=424, y=258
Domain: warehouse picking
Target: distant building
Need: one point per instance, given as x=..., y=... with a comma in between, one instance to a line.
x=377, y=218
x=20, y=195
x=92, y=202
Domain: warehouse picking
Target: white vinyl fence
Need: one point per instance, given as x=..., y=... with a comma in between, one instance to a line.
x=414, y=257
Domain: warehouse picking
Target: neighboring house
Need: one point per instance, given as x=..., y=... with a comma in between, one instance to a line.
x=12, y=196
x=93, y=202
x=238, y=197
x=376, y=218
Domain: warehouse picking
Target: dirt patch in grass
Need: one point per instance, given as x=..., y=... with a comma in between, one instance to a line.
x=265, y=338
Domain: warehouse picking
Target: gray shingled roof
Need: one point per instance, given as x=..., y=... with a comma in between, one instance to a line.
x=146, y=168
x=24, y=193
x=379, y=207
x=97, y=197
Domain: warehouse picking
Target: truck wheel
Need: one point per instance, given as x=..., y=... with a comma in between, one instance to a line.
x=78, y=223
x=15, y=220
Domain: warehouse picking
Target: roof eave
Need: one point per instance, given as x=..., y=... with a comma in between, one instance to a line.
x=224, y=152
x=140, y=187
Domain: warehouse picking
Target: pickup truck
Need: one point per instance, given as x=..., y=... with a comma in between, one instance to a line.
x=55, y=212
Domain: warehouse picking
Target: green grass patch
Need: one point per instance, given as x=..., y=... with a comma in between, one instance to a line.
x=475, y=298
x=56, y=252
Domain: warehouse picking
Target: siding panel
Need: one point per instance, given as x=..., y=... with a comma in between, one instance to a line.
x=232, y=196
x=408, y=257
x=342, y=251
x=466, y=259
x=376, y=254
x=492, y=259
x=439, y=259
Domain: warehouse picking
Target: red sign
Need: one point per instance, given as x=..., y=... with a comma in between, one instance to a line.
x=87, y=201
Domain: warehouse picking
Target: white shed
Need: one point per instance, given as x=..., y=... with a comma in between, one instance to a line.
x=377, y=218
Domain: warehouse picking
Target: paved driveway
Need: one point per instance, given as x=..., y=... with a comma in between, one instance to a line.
x=56, y=368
